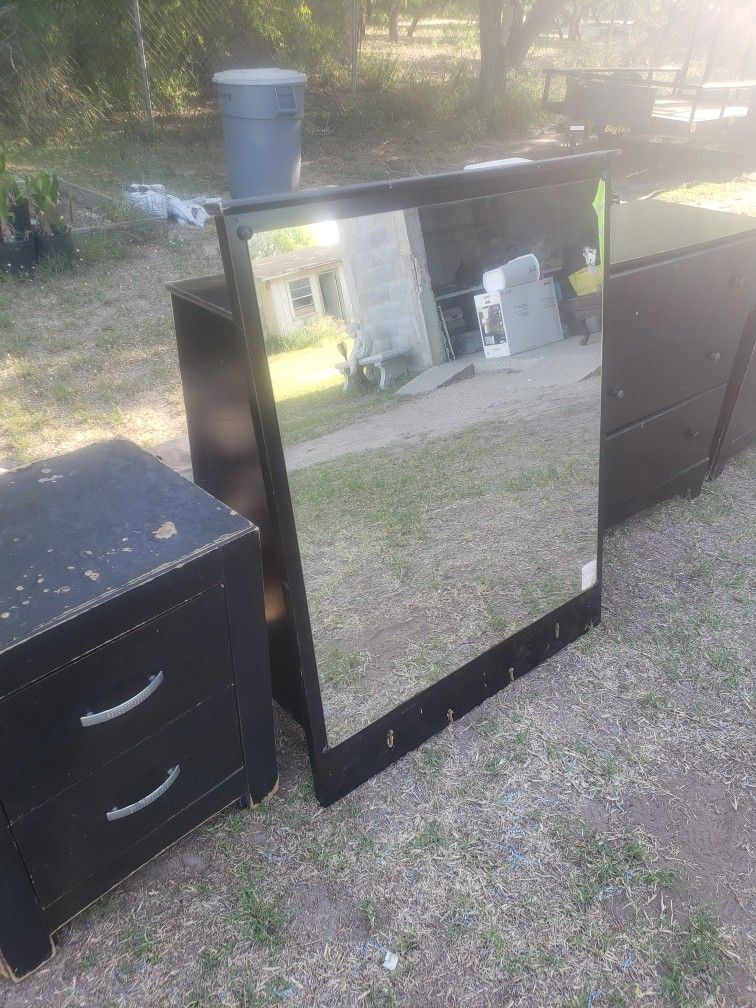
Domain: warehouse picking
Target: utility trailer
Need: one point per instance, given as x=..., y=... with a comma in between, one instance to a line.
x=650, y=100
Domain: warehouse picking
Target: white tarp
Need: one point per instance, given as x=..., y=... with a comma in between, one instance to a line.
x=156, y=202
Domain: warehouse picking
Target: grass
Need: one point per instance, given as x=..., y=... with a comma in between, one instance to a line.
x=379, y=997
x=394, y=490
x=310, y=396
x=185, y=156
x=693, y=969
x=370, y=521
x=544, y=595
x=142, y=944
x=431, y=837
x=322, y=331
x=341, y=670
x=606, y=865
x=84, y=359
x=431, y=759
x=736, y=196
x=368, y=911
x=652, y=704
x=258, y=918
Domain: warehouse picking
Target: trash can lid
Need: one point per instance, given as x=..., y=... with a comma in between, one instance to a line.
x=260, y=75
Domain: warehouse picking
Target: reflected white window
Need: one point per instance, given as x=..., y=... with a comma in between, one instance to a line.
x=302, y=300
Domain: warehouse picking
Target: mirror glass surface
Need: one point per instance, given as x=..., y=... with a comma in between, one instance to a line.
x=436, y=373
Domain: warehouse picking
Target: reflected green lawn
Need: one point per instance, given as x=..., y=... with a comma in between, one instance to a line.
x=419, y=556
x=310, y=396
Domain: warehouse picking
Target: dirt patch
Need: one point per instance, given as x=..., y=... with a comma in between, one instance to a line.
x=708, y=828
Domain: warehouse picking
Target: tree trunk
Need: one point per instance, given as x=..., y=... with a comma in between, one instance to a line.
x=361, y=20
x=497, y=56
x=393, y=20
x=525, y=31
x=492, y=68
x=413, y=25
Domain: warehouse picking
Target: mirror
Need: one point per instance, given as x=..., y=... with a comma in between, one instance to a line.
x=436, y=375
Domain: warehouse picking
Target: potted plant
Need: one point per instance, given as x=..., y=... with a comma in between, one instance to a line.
x=53, y=235
x=17, y=248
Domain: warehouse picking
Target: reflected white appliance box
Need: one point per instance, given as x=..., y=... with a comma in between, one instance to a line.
x=519, y=318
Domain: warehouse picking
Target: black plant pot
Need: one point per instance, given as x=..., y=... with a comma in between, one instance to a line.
x=20, y=217
x=18, y=257
x=55, y=247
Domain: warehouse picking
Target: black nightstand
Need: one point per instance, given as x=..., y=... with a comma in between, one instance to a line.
x=134, y=679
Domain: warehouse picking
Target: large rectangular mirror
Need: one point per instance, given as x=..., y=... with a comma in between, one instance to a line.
x=429, y=389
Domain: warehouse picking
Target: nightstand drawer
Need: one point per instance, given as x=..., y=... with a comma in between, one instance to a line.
x=645, y=457
x=673, y=329
x=67, y=725
x=76, y=834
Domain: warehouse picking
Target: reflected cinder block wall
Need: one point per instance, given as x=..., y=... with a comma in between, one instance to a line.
x=391, y=294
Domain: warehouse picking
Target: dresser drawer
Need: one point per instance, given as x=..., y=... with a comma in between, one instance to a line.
x=654, y=452
x=673, y=328
x=90, y=824
x=72, y=722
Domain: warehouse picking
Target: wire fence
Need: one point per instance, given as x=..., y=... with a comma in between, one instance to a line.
x=64, y=69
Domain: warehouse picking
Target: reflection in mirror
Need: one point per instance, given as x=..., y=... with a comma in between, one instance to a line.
x=436, y=373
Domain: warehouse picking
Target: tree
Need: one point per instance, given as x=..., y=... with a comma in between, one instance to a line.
x=508, y=29
x=415, y=10
x=393, y=20
x=420, y=9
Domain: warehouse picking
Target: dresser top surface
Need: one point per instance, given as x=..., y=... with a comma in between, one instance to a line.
x=652, y=228
x=210, y=292
x=78, y=529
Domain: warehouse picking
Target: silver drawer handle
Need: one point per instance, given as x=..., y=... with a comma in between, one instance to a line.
x=127, y=810
x=107, y=715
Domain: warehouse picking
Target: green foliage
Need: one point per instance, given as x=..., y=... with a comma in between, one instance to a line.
x=43, y=190
x=269, y=243
x=72, y=64
x=518, y=106
x=4, y=204
x=11, y=199
x=320, y=331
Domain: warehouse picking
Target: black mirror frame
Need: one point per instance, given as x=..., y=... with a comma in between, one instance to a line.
x=339, y=769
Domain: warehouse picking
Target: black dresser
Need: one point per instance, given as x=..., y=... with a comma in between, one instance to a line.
x=736, y=428
x=682, y=284
x=134, y=679
x=226, y=449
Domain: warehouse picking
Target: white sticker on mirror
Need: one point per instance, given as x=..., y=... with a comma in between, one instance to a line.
x=588, y=574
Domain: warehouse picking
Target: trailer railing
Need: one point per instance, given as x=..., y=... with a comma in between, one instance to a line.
x=682, y=102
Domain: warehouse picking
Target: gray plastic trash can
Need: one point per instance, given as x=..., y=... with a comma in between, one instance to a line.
x=262, y=129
